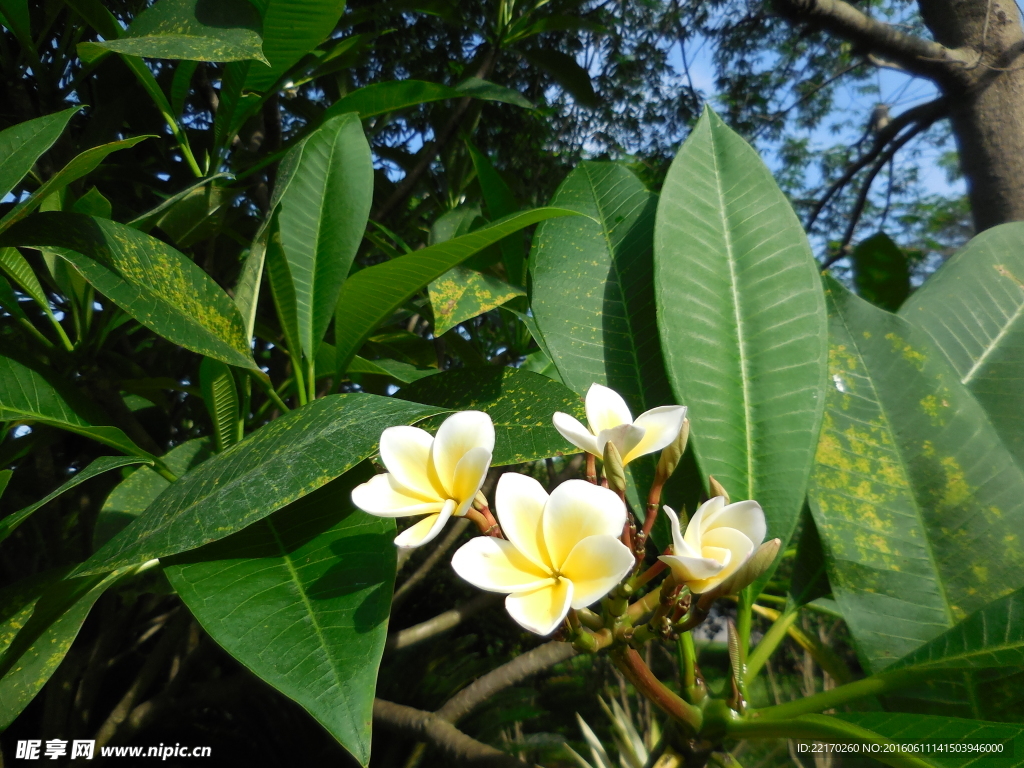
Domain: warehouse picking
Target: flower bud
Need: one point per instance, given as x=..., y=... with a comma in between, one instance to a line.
x=717, y=489
x=673, y=453
x=755, y=567
x=613, y=468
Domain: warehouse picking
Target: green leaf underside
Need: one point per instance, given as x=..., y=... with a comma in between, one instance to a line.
x=461, y=294
x=43, y=637
x=742, y=321
x=220, y=396
x=22, y=144
x=918, y=503
x=280, y=463
x=28, y=395
x=973, y=309
x=302, y=599
x=136, y=492
x=903, y=728
x=371, y=295
x=322, y=215
x=519, y=403
x=196, y=30
x=103, y=464
x=881, y=273
x=158, y=286
x=403, y=373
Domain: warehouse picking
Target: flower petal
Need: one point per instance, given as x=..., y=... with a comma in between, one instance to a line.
x=740, y=549
x=520, y=506
x=679, y=545
x=460, y=433
x=747, y=517
x=575, y=510
x=405, y=451
x=688, y=569
x=696, y=526
x=541, y=610
x=595, y=566
x=570, y=428
x=624, y=436
x=606, y=409
x=383, y=496
x=426, y=529
x=497, y=566
x=470, y=473
x=661, y=426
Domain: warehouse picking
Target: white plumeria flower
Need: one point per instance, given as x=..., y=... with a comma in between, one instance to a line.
x=719, y=539
x=433, y=476
x=610, y=420
x=562, y=551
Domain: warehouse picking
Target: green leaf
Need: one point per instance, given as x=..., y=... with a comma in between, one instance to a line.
x=5, y=478
x=401, y=372
x=82, y=165
x=322, y=215
x=519, y=403
x=181, y=85
x=279, y=463
x=30, y=395
x=9, y=301
x=742, y=320
x=197, y=30
x=135, y=493
x=15, y=265
x=302, y=599
x=198, y=215
x=371, y=295
x=220, y=394
x=15, y=16
x=917, y=501
x=381, y=98
x=247, y=290
x=881, y=273
x=500, y=202
x=22, y=144
x=461, y=294
x=93, y=203
x=157, y=285
x=45, y=628
x=973, y=309
x=810, y=576
x=563, y=69
x=103, y=464
x=282, y=290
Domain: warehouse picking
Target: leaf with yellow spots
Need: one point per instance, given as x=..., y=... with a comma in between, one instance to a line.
x=461, y=294
x=973, y=309
x=154, y=283
x=913, y=492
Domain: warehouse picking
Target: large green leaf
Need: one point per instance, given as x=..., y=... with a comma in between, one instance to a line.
x=919, y=505
x=380, y=98
x=742, y=320
x=500, y=202
x=103, y=464
x=160, y=287
x=43, y=627
x=22, y=144
x=136, y=492
x=881, y=273
x=371, y=295
x=220, y=395
x=276, y=465
x=197, y=30
x=82, y=165
x=461, y=294
x=520, y=404
x=322, y=215
x=16, y=17
x=973, y=309
x=302, y=599
x=29, y=395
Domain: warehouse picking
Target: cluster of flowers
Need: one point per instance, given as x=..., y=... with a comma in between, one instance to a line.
x=551, y=552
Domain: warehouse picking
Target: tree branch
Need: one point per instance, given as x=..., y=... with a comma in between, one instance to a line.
x=440, y=623
x=457, y=747
x=520, y=668
x=916, y=54
x=428, y=564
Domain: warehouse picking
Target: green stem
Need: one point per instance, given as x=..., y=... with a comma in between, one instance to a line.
x=822, y=728
x=743, y=620
x=764, y=649
x=268, y=389
x=35, y=332
x=244, y=410
x=298, y=368
x=311, y=379
x=875, y=685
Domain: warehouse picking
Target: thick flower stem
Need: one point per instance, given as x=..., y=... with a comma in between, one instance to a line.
x=876, y=685
x=632, y=666
x=649, y=574
x=487, y=525
x=591, y=469
x=653, y=502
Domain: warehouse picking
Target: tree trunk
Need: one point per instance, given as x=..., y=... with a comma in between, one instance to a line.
x=986, y=101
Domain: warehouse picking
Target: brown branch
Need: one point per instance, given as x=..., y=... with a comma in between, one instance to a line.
x=440, y=623
x=517, y=670
x=427, y=566
x=457, y=747
x=922, y=113
x=639, y=674
x=916, y=54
